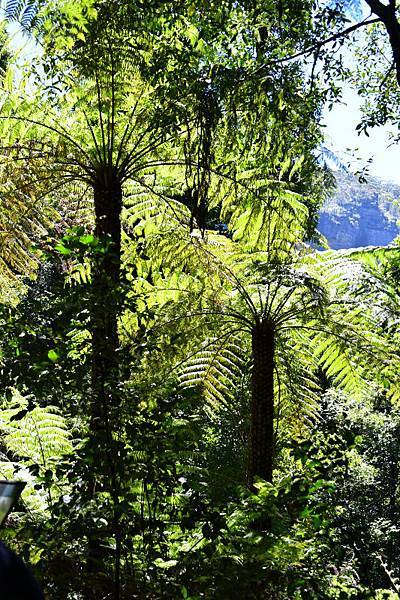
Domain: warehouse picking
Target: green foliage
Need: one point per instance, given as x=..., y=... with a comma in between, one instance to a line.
x=40, y=434
x=127, y=371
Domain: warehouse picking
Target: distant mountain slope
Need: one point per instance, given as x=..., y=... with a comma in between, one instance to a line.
x=359, y=214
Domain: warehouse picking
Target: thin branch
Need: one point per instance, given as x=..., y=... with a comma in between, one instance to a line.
x=318, y=45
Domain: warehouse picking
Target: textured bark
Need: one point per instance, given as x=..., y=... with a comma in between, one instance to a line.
x=105, y=280
x=261, y=455
x=106, y=270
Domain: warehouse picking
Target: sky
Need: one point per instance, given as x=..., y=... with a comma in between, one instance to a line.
x=342, y=138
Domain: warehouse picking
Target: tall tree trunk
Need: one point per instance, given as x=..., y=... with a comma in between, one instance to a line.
x=106, y=269
x=104, y=308
x=261, y=455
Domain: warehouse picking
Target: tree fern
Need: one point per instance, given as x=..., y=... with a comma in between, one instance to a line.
x=318, y=306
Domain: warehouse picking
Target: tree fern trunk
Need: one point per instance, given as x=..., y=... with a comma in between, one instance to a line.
x=106, y=270
x=104, y=307
x=261, y=454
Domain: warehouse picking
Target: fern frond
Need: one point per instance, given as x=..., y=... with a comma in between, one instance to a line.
x=40, y=435
x=23, y=11
x=297, y=387
x=214, y=369
x=334, y=357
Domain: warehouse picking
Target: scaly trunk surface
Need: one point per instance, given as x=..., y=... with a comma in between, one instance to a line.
x=261, y=455
x=104, y=309
x=106, y=268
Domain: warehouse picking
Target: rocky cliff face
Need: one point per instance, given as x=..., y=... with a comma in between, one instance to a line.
x=359, y=214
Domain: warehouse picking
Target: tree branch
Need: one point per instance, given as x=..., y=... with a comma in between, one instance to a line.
x=318, y=45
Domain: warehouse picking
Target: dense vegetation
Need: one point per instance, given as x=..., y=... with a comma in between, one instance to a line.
x=202, y=405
